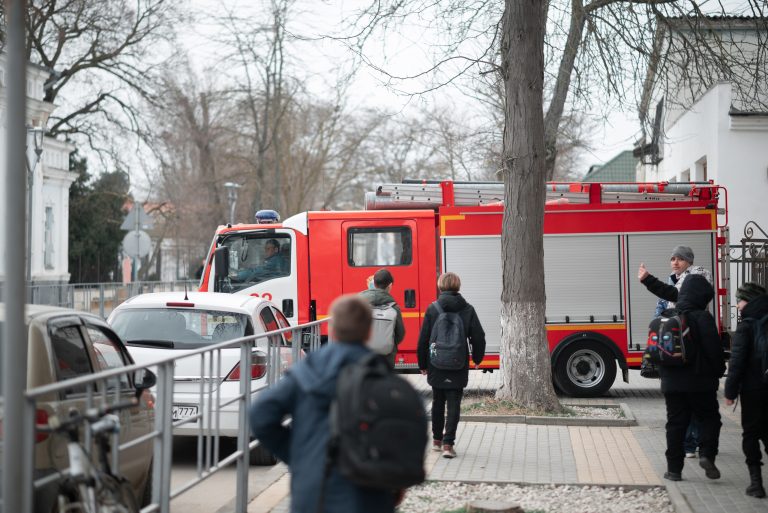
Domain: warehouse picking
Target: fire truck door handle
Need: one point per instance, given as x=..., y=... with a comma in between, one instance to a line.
x=410, y=298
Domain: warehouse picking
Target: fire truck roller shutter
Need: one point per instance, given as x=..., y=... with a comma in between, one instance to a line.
x=582, y=278
x=654, y=250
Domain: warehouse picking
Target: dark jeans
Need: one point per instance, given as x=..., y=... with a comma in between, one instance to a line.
x=754, y=421
x=445, y=428
x=681, y=408
x=691, y=437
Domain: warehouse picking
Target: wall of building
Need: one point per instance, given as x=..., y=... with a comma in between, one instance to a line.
x=50, y=189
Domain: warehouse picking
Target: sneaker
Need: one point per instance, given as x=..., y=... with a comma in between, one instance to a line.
x=710, y=470
x=673, y=476
x=448, y=451
x=690, y=454
x=437, y=445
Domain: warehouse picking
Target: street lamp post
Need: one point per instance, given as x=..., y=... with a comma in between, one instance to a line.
x=232, y=188
x=35, y=134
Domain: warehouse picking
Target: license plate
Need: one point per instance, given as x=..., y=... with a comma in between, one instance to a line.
x=181, y=412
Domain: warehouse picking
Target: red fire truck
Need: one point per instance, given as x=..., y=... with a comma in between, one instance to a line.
x=595, y=237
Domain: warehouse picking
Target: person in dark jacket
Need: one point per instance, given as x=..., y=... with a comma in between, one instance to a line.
x=691, y=390
x=681, y=264
x=379, y=295
x=448, y=385
x=305, y=395
x=745, y=380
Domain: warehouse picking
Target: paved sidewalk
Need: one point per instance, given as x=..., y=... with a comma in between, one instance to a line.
x=632, y=456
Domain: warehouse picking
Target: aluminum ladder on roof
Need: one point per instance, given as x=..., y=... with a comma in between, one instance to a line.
x=429, y=194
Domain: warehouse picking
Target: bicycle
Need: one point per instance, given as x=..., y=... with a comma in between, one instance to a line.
x=89, y=488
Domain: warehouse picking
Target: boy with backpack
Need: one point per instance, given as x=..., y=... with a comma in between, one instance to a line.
x=443, y=352
x=747, y=378
x=690, y=366
x=358, y=431
x=388, y=329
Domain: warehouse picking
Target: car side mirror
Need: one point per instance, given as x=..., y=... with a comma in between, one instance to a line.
x=143, y=379
x=221, y=263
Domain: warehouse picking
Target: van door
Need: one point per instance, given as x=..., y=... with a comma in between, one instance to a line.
x=392, y=244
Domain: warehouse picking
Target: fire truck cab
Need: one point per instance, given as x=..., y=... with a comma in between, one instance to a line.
x=595, y=237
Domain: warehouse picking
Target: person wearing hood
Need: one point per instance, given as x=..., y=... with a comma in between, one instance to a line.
x=305, y=394
x=681, y=262
x=379, y=294
x=745, y=380
x=448, y=385
x=690, y=391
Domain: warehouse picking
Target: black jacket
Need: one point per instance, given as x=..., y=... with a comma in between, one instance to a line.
x=744, y=370
x=708, y=364
x=451, y=379
x=665, y=291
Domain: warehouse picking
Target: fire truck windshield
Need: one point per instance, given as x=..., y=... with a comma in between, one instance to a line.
x=257, y=257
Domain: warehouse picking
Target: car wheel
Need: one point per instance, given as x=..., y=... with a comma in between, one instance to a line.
x=585, y=369
x=261, y=457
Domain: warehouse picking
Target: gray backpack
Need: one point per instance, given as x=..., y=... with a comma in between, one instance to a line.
x=448, y=348
x=383, y=330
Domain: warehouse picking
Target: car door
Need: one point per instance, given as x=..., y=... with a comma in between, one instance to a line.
x=110, y=353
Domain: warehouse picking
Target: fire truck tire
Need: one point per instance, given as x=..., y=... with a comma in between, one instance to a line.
x=585, y=369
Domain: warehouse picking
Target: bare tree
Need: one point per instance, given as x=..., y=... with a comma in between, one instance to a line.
x=591, y=46
x=103, y=57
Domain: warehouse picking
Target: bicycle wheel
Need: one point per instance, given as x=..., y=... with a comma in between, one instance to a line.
x=69, y=499
x=114, y=495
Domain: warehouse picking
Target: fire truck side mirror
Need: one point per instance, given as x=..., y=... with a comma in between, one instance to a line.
x=221, y=262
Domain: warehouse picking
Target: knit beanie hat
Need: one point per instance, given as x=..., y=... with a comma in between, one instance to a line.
x=684, y=253
x=749, y=291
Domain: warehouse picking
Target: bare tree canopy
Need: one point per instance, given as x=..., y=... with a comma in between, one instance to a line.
x=597, y=52
x=103, y=57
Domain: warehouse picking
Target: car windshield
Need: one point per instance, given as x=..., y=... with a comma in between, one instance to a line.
x=254, y=258
x=182, y=328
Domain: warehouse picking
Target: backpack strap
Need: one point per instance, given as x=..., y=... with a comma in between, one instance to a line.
x=438, y=308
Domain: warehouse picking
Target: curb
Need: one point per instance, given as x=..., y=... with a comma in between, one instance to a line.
x=640, y=487
x=676, y=496
x=628, y=420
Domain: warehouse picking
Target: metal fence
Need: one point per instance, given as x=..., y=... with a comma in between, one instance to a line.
x=96, y=298
x=209, y=457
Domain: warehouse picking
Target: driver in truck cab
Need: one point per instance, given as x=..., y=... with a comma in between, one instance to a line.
x=271, y=267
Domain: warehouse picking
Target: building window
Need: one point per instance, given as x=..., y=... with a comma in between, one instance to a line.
x=48, y=255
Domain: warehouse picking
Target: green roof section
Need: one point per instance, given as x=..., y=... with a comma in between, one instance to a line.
x=621, y=168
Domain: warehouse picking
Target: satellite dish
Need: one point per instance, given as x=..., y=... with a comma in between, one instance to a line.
x=137, y=244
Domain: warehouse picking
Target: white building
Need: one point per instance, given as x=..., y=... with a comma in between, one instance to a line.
x=713, y=141
x=51, y=179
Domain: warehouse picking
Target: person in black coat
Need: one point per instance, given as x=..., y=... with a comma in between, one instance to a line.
x=691, y=390
x=745, y=379
x=448, y=385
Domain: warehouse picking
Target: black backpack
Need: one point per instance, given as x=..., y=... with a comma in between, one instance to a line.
x=760, y=334
x=448, y=341
x=378, y=427
x=669, y=340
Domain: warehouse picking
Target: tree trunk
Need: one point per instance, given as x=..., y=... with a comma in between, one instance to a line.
x=525, y=364
x=562, y=85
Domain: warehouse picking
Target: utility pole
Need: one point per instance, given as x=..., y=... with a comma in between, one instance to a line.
x=16, y=480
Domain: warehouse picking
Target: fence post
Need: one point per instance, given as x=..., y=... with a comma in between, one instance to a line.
x=101, y=300
x=244, y=431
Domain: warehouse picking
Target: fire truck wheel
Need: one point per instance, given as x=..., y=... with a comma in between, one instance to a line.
x=585, y=369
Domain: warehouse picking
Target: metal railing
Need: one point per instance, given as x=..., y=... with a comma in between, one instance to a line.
x=96, y=298
x=103, y=388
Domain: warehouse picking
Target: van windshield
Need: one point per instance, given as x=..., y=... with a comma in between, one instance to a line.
x=255, y=258
x=181, y=328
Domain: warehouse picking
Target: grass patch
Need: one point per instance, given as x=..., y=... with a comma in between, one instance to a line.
x=493, y=406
